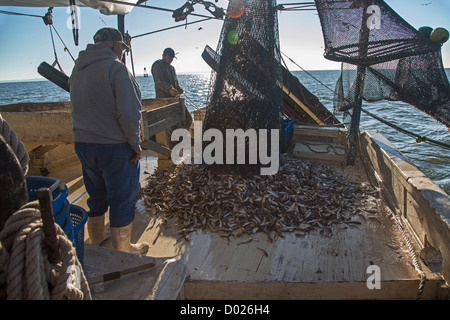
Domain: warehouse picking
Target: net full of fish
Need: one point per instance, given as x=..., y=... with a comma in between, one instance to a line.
x=301, y=197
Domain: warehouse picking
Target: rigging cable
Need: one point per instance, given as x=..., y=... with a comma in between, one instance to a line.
x=177, y=26
x=309, y=74
x=65, y=47
x=155, y=8
x=56, y=62
x=419, y=138
x=206, y=18
x=19, y=14
x=47, y=20
x=193, y=104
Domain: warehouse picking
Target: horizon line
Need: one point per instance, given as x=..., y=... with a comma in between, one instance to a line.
x=142, y=74
x=179, y=73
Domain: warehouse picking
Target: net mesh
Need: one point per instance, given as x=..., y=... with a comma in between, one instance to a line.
x=399, y=62
x=246, y=88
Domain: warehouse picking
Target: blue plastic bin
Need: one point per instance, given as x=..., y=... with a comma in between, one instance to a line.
x=60, y=204
x=79, y=218
x=64, y=220
x=57, y=188
x=69, y=217
x=288, y=124
x=287, y=134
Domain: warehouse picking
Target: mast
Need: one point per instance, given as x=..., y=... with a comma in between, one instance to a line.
x=353, y=134
x=121, y=27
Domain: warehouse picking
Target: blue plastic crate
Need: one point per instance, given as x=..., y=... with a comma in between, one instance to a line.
x=287, y=134
x=288, y=124
x=57, y=189
x=64, y=220
x=69, y=217
x=79, y=218
x=60, y=204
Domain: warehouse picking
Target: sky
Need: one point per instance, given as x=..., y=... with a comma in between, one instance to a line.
x=27, y=40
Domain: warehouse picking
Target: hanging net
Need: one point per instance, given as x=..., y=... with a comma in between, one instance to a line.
x=245, y=91
x=400, y=62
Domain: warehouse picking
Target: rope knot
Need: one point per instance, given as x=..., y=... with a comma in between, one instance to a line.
x=25, y=270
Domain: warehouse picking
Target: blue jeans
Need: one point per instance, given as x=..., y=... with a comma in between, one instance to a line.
x=111, y=179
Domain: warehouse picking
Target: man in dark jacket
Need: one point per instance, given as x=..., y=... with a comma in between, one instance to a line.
x=165, y=77
x=106, y=114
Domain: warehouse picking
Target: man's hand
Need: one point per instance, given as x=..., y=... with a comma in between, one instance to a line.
x=173, y=92
x=137, y=157
x=180, y=90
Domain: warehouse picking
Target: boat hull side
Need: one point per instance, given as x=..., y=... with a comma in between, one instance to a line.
x=419, y=204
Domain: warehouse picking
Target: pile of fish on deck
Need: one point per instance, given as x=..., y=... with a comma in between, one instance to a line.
x=301, y=197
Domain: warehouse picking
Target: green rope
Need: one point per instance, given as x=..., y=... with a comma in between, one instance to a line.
x=419, y=138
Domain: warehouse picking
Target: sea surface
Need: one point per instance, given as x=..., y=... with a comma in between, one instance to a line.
x=433, y=160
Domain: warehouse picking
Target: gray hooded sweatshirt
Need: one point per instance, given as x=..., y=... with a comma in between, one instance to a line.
x=106, y=99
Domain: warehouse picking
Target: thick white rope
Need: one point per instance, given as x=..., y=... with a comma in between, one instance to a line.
x=26, y=273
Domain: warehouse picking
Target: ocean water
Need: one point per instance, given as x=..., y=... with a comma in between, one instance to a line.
x=433, y=160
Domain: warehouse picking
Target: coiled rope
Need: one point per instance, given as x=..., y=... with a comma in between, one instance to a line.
x=25, y=271
x=16, y=145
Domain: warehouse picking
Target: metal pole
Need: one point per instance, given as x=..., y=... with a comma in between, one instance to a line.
x=121, y=27
x=353, y=134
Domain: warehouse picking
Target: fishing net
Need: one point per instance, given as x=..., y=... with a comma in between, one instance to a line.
x=245, y=91
x=396, y=61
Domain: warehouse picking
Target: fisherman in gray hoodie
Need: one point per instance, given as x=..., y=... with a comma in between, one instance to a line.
x=106, y=113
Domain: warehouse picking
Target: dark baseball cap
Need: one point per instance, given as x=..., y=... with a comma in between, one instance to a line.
x=169, y=52
x=110, y=34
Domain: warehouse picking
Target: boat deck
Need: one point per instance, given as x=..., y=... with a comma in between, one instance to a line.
x=314, y=266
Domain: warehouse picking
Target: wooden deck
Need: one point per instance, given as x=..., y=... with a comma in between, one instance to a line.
x=314, y=266
x=311, y=267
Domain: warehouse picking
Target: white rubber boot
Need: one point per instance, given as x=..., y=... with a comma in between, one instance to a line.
x=121, y=241
x=96, y=230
